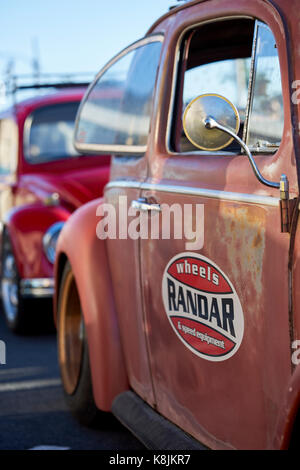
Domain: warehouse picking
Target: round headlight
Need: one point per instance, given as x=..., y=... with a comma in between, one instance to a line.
x=50, y=240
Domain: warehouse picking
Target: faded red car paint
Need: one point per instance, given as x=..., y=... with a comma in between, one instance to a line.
x=28, y=208
x=251, y=400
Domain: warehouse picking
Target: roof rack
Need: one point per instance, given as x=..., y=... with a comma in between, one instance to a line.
x=17, y=83
x=51, y=85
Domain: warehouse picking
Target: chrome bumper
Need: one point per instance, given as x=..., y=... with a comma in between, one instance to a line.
x=39, y=288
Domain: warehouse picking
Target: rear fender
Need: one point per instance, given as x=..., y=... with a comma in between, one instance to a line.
x=88, y=257
x=26, y=226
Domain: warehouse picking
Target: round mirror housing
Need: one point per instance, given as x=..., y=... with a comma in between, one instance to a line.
x=196, y=121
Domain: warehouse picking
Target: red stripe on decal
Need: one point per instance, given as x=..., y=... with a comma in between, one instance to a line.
x=201, y=337
x=200, y=275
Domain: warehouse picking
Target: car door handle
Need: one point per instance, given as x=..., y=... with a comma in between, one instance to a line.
x=142, y=204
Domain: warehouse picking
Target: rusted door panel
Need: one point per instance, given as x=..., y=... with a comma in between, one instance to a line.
x=235, y=402
x=244, y=392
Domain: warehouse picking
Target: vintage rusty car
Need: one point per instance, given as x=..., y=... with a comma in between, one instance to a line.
x=189, y=344
x=43, y=179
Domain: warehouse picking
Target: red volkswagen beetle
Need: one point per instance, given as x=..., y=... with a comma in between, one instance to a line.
x=177, y=297
x=43, y=179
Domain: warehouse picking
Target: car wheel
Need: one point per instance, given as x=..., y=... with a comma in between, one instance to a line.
x=73, y=353
x=12, y=303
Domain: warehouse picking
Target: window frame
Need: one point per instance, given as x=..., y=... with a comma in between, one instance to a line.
x=108, y=148
x=172, y=123
x=251, y=87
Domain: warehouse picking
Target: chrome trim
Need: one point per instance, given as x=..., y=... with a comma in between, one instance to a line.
x=210, y=123
x=251, y=83
x=52, y=199
x=38, y=287
x=26, y=133
x=156, y=37
x=123, y=184
x=143, y=205
x=192, y=191
x=115, y=149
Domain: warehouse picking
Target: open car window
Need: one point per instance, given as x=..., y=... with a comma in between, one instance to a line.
x=237, y=59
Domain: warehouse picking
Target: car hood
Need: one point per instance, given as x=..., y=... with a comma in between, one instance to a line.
x=74, y=188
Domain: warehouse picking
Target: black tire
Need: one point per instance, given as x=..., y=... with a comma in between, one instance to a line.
x=13, y=305
x=78, y=390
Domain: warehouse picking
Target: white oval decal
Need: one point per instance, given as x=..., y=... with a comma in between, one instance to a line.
x=202, y=306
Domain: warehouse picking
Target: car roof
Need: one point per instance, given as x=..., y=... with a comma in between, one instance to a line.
x=52, y=96
x=282, y=4
x=172, y=10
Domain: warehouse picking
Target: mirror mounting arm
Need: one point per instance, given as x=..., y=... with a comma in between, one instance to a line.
x=211, y=123
x=198, y=122
x=283, y=185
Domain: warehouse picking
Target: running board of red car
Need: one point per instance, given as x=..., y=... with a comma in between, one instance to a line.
x=154, y=431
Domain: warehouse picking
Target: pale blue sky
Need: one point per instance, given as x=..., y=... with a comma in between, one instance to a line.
x=71, y=36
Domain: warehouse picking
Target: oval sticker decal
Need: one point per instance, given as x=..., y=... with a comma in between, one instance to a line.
x=202, y=306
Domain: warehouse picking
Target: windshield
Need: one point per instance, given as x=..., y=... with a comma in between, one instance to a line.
x=49, y=133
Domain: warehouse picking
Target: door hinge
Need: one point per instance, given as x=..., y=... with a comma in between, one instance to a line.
x=287, y=205
x=285, y=215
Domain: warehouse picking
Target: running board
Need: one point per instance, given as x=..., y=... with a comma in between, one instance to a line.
x=154, y=431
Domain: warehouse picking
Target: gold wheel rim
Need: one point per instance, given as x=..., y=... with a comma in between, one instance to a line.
x=70, y=335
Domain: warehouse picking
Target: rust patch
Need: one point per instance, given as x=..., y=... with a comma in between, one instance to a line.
x=257, y=240
x=241, y=233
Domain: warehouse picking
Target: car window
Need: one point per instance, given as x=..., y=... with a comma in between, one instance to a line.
x=238, y=60
x=8, y=146
x=227, y=77
x=116, y=113
x=215, y=58
x=266, y=107
x=49, y=133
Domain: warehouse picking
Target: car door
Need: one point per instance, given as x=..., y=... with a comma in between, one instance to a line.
x=115, y=118
x=216, y=298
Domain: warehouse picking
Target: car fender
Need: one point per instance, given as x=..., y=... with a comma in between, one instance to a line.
x=87, y=254
x=26, y=226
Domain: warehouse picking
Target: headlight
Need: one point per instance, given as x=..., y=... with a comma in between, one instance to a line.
x=50, y=240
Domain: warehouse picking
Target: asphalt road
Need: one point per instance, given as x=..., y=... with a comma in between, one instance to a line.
x=32, y=409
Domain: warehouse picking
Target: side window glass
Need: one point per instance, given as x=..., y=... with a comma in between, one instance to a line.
x=226, y=77
x=266, y=106
x=8, y=146
x=48, y=133
x=116, y=113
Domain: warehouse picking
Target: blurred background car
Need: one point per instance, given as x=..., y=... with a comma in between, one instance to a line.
x=43, y=179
